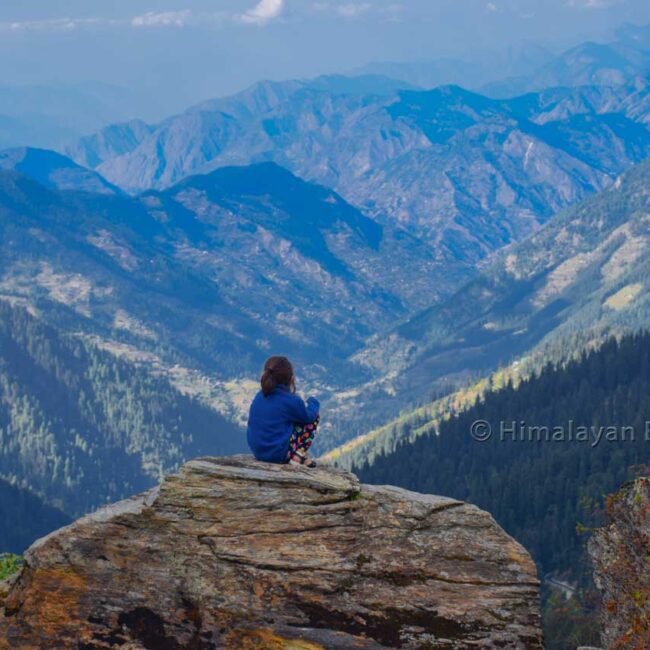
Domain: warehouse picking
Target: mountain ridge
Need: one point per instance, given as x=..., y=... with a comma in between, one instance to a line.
x=613, y=63
x=463, y=171
x=152, y=277
x=585, y=270
x=54, y=170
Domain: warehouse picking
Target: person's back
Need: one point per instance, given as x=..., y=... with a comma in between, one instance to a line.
x=281, y=427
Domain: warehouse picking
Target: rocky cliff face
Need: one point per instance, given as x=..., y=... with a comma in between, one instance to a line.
x=620, y=555
x=232, y=553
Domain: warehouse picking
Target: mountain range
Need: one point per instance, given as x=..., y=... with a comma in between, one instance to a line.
x=527, y=67
x=210, y=275
x=426, y=257
x=474, y=71
x=466, y=173
x=581, y=276
x=591, y=63
x=232, y=243
x=438, y=182
x=587, y=268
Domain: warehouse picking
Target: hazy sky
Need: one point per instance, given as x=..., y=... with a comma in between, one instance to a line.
x=184, y=50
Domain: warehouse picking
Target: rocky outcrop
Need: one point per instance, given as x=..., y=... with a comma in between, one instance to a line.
x=620, y=553
x=231, y=553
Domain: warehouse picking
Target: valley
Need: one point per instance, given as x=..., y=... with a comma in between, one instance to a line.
x=415, y=274
x=437, y=240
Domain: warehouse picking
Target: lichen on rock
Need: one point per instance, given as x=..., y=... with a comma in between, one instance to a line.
x=620, y=553
x=236, y=554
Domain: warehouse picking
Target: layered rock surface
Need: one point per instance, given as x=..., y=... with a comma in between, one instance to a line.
x=620, y=553
x=232, y=553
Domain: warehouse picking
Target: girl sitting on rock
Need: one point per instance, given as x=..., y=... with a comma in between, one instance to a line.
x=281, y=427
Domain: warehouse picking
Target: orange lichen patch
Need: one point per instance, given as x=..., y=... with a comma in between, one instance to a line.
x=619, y=552
x=54, y=596
x=258, y=589
x=5, y=587
x=266, y=640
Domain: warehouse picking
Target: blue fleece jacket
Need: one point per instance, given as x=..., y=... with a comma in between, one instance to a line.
x=271, y=420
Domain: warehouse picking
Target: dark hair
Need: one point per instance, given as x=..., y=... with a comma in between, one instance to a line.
x=277, y=371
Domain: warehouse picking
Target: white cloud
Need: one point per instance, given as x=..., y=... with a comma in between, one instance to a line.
x=55, y=24
x=151, y=19
x=353, y=10
x=162, y=19
x=594, y=4
x=263, y=12
x=490, y=6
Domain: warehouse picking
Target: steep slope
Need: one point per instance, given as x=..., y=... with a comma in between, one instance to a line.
x=79, y=427
x=286, y=224
x=205, y=279
x=587, y=269
x=54, y=170
x=207, y=567
x=25, y=518
x=464, y=171
x=113, y=140
x=492, y=171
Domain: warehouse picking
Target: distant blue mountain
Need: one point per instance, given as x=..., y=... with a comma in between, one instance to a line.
x=463, y=171
x=474, y=71
x=49, y=115
x=51, y=169
x=113, y=140
x=605, y=64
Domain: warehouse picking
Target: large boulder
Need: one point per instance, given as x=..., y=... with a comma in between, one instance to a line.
x=232, y=553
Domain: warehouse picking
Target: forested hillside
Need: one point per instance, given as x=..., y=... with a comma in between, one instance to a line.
x=205, y=279
x=541, y=484
x=24, y=518
x=199, y=268
x=80, y=427
x=586, y=270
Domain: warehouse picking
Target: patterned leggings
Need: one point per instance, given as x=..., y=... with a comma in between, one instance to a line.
x=302, y=437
